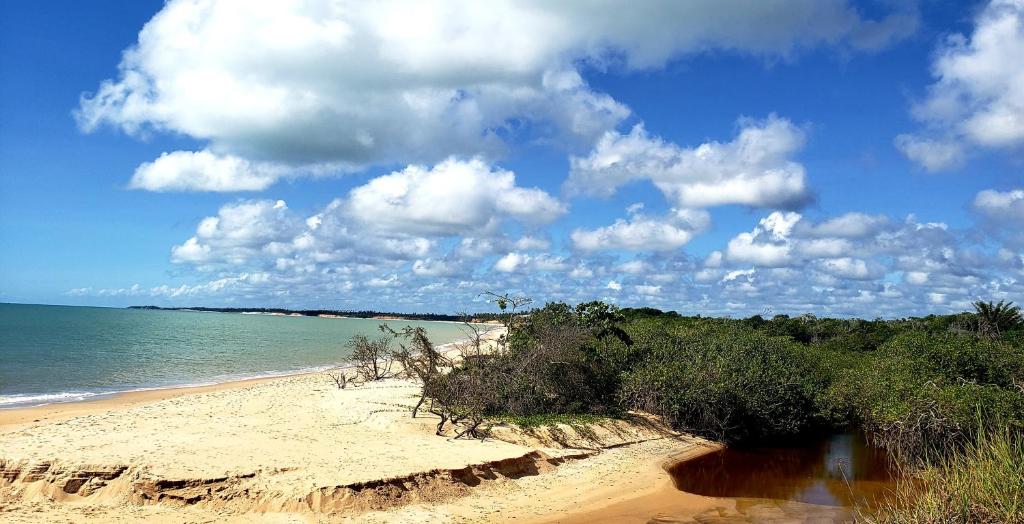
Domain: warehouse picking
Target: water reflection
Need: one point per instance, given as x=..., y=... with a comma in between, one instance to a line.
x=841, y=470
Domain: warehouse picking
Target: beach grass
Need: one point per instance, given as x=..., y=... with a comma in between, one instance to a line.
x=550, y=419
x=983, y=483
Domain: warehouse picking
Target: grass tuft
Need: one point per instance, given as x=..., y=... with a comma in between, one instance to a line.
x=550, y=419
x=981, y=483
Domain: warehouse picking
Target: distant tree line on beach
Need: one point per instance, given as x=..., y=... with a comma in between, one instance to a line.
x=479, y=317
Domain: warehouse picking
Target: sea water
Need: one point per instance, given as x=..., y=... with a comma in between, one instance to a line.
x=67, y=353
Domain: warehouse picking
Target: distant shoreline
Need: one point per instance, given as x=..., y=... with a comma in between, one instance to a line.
x=476, y=318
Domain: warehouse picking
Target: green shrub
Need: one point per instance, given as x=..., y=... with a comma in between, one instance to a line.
x=916, y=385
x=561, y=359
x=921, y=392
x=727, y=382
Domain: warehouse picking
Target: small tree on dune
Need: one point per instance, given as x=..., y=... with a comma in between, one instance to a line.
x=508, y=306
x=461, y=397
x=418, y=358
x=995, y=319
x=472, y=347
x=373, y=357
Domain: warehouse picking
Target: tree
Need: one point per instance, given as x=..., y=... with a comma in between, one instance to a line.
x=461, y=397
x=419, y=359
x=373, y=357
x=508, y=305
x=602, y=319
x=995, y=319
x=557, y=359
x=471, y=348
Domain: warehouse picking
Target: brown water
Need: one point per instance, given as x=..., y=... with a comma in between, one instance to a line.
x=841, y=470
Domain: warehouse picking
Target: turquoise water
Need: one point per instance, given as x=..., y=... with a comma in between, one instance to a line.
x=64, y=353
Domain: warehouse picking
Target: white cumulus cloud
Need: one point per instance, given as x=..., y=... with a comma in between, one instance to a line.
x=755, y=169
x=1002, y=214
x=520, y=262
x=768, y=244
x=850, y=225
x=932, y=154
x=978, y=94
x=1001, y=205
x=642, y=233
x=453, y=197
x=205, y=171
x=327, y=82
x=239, y=231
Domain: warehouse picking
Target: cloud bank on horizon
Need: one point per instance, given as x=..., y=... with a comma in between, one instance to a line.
x=442, y=95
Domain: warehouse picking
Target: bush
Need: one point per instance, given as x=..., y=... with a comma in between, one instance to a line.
x=916, y=386
x=419, y=359
x=461, y=397
x=729, y=383
x=925, y=392
x=562, y=359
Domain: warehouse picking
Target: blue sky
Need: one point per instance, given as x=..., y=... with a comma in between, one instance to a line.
x=844, y=158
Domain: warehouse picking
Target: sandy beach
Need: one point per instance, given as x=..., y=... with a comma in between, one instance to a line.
x=299, y=449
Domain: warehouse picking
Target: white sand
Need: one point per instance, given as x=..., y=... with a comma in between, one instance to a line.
x=298, y=449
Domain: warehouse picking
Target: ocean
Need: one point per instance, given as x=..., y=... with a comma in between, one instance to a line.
x=68, y=353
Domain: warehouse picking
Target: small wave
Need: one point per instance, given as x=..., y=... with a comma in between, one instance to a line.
x=23, y=400
x=44, y=398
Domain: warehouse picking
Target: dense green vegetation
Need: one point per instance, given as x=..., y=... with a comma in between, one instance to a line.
x=721, y=379
x=537, y=421
x=914, y=386
x=941, y=393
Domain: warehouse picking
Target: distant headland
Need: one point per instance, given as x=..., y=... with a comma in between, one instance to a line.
x=331, y=313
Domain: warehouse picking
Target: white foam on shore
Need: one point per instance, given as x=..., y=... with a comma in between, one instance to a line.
x=27, y=400
x=24, y=400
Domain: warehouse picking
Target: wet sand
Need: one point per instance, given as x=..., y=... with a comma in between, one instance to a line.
x=55, y=412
